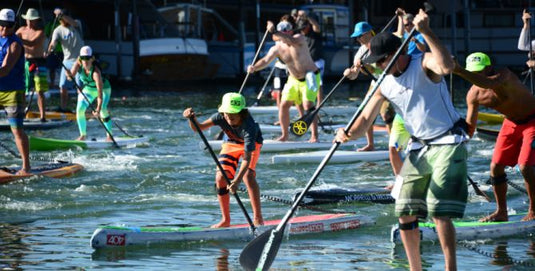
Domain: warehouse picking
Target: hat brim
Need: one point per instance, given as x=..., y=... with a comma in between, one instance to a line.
x=373, y=58
x=229, y=110
x=475, y=68
x=29, y=17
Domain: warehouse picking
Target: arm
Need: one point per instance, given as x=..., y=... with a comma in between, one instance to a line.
x=53, y=41
x=438, y=60
x=190, y=115
x=420, y=43
x=471, y=110
x=364, y=121
x=477, y=79
x=14, y=52
x=264, y=62
x=74, y=69
x=401, y=28
x=523, y=39
x=70, y=20
x=315, y=25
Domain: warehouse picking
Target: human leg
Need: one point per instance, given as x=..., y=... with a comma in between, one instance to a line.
x=498, y=179
x=284, y=119
x=13, y=103
x=308, y=106
x=223, y=198
x=410, y=236
x=528, y=172
x=446, y=236
x=254, y=195
x=105, y=113
x=81, y=107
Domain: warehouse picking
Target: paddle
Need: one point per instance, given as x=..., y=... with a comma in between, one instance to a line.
x=260, y=253
x=67, y=72
x=477, y=190
x=261, y=93
x=300, y=126
x=211, y=151
x=254, y=59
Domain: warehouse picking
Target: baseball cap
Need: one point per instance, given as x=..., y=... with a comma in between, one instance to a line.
x=86, y=51
x=232, y=103
x=31, y=14
x=360, y=29
x=381, y=45
x=284, y=26
x=477, y=62
x=7, y=17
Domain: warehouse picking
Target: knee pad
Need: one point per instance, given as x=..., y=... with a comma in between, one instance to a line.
x=221, y=191
x=409, y=226
x=498, y=180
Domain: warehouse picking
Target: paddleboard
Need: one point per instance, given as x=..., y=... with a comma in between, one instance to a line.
x=491, y=118
x=268, y=128
x=487, y=133
x=115, y=236
x=473, y=230
x=338, y=157
x=333, y=110
x=36, y=124
x=54, y=115
x=342, y=195
x=54, y=170
x=47, y=144
x=271, y=145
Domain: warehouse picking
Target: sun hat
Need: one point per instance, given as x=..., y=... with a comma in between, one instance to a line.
x=31, y=14
x=232, y=103
x=284, y=26
x=86, y=51
x=477, y=62
x=381, y=45
x=360, y=29
x=7, y=17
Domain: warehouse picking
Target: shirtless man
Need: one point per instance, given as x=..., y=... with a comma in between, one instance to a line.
x=33, y=40
x=501, y=90
x=292, y=50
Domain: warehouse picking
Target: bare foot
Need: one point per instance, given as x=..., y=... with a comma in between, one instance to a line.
x=81, y=138
x=221, y=224
x=108, y=139
x=366, y=148
x=313, y=140
x=282, y=138
x=495, y=217
x=530, y=216
x=23, y=171
x=258, y=222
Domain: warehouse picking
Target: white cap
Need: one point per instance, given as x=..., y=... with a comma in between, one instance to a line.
x=284, y=26
x=86, y=51
x=7, y=17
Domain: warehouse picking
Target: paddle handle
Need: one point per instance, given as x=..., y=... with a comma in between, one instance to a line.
x=211, y=151
x=90, y=105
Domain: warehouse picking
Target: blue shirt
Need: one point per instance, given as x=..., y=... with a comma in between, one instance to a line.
x=15, y=80
x=412, y=49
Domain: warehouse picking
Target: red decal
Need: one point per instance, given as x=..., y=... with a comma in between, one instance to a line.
x=351, y=224
x=115, y=240
x=318, y=227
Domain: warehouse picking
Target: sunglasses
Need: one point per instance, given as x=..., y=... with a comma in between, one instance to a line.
x=408, y=24
x=85, y=57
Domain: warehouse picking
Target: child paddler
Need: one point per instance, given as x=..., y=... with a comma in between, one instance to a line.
x=243, y=139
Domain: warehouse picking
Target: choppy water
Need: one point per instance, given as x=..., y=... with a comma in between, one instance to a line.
x=46, y=224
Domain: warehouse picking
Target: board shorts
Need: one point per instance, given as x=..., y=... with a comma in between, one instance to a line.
x=296, y=90
x=230, y=156
x=434, y=183
x=515, y=144
x=13, y=103
x=39, y=74
x=399, y=136
x=320, y=63
x=387, y=112
x=63, y=82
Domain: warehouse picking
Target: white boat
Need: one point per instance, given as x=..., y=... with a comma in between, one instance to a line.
x=338, y=157
x=118, y=236
x=271, y=145
x=473, y=230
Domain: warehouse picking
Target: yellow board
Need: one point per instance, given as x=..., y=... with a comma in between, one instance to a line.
x=490, y=117
x=54, y=170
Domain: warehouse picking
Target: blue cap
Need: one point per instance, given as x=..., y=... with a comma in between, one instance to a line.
x=361, y=28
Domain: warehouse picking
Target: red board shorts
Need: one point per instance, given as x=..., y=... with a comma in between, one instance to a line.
x=515, y=144
x=230, y=155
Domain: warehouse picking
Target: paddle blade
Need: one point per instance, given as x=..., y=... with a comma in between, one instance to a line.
x=300, y=126
x=260, y=253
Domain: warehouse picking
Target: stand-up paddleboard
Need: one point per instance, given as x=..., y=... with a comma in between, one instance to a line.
x=337, y=158
x=47, y=144
x=487, y=133
x=271, y=145
x=339, y=195
x=377, y=129
x=36, y=124
x=55, y=115
x=113, y=236
x=53, y=170
x=491, y=118
x=473, y=230
x=273, y=109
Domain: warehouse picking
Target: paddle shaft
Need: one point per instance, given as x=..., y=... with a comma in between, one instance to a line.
x=276, y=234
x=254, y=59
x=211, y=151
x=90, y=105
x=261, y=93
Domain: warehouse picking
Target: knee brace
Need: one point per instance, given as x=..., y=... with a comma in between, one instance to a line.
x=409, y=226
x=498, y=180
x=221, y=191
x=106, y=119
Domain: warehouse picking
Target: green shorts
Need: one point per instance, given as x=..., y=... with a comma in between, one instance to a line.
x=13, y=104
x=435, y=184
x=296, y=91
x=399, y=136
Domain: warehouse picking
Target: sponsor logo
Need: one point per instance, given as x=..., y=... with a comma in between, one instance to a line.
x=351, y=224
x=115, y=239
x=318, y=227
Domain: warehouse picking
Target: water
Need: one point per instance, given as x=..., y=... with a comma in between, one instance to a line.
x=46, y=224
